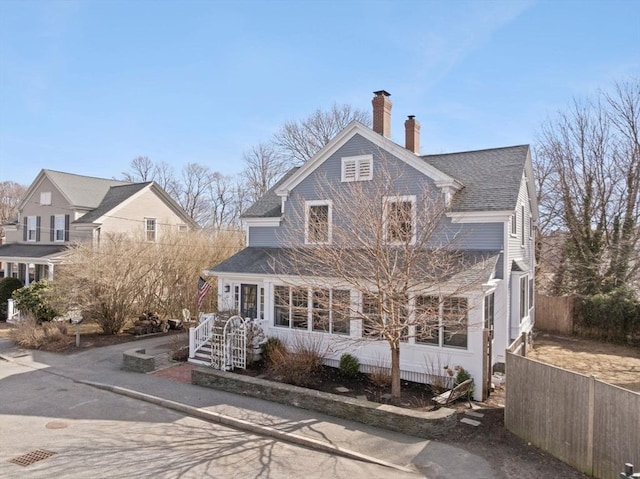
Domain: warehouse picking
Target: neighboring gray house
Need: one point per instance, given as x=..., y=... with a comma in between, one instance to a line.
x=63, y=208
x=492, y=209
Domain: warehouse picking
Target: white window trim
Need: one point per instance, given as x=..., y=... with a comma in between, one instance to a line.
x=514, y=224
x=32, y=221
x=155, y=230
x=387, y=200
x=307, y=207
x=522, y=226
x=357, y=161
x=56, y=229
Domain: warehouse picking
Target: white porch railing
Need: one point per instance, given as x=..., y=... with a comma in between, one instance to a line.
x=13, y=314
x=201, y=334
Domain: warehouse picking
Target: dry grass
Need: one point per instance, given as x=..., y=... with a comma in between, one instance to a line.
x=613, y=363
x=51, y=336
x=298, y=365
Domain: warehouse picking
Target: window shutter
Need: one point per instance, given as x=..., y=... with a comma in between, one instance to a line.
x=349, y=170
x=24, y=232
x=52, y=230
x=66, y=227
x=37, y=228
x=364, y=170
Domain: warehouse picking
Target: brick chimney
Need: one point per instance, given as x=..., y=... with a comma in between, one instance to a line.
x=382, y=113
x=412, y=134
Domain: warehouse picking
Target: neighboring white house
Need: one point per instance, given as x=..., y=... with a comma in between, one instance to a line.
x=492, y=206
x=59, y=209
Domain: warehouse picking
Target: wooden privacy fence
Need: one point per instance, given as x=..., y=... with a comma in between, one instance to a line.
x=589, y=424
x=554, y=313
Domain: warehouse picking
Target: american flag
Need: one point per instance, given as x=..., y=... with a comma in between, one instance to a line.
x=203, y=287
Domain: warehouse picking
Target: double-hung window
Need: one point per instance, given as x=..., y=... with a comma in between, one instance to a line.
x=400, y=219
x=427, y=319
x=59, y=226
x=524, y=288
x=328, y=309
x=150, y=229
x=522, y=223
x=32, y=228
x=318, y=222
x=489, y=314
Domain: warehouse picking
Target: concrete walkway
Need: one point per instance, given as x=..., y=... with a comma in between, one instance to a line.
x=426, y=458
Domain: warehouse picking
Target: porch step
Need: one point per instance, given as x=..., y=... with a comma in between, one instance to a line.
x=198, y=361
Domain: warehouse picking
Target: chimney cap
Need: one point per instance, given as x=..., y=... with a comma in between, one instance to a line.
x=381, y=92
x=411, y=117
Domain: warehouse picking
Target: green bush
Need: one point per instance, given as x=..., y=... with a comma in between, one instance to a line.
x=36, y=299
x=614, y=316
x=461, y=376
x=7, y=287
x=349, y=365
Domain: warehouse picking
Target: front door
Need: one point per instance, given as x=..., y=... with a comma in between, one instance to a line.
x=249, y=301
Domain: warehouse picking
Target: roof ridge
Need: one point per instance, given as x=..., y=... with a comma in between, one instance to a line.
x=476, y=151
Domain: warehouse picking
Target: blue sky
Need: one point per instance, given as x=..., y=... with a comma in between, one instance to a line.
x=86, y=86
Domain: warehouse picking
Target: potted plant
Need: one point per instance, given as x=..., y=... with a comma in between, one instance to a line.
x=256, y=340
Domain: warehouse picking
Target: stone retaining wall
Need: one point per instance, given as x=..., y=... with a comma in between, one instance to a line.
x=135, y=360
x=425, y=424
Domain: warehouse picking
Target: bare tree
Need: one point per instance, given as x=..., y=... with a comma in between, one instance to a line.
x=389, y=245
x=297, y=141
x=263, y=167
x=193, y=192
x=10, y=195
x=141, y=169
x=127, y=276
x=222, y=198
x=590, y=188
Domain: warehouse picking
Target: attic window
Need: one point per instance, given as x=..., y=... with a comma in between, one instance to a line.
x=357, y=168
x=45, y=198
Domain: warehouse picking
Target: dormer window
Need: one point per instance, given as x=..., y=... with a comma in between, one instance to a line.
x=357, y=168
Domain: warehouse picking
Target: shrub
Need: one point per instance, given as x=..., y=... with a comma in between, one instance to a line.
x=7, y=287
x=614, y=316
x=300, y=366
x=461, y=376
x=380, y=376
x=349, y=365
x=31, y=335
x=37, y=299
x=274, y=348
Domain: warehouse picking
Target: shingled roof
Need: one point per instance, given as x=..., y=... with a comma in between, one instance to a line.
x=268, y=206
x=115, y=196
x=82, y=191
x=491, y=178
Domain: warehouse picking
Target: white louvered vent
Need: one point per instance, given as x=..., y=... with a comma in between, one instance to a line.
x=357, y=168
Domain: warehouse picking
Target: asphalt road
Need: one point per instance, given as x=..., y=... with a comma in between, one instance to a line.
x=95, y=433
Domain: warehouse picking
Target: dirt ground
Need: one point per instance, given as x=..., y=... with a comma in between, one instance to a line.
x=612, y=363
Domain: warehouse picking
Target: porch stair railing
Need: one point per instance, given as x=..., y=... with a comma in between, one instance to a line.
x=200, y=340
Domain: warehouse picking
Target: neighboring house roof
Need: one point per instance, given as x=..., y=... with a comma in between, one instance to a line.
x=35, y=251
x=491, y=177
x=268, y=206
x=80, y=191
x=479, y=265
x=114, y=197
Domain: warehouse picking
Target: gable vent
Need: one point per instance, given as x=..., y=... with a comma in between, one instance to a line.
x=357, y=168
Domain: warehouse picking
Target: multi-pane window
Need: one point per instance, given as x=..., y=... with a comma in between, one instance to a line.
x=489, y=305
x=281, y=306
x=150, y=229
x=32, y=228
x=530, y=293
x=427, y=319
x=328, y=309
x=357, y=168
x=400, y=220
x=454, y=318
x=59, y=225
x=45, y=197
x=340, y=311
x=372, y=314
x=514, y=224
x=441, y=321
x=318, y=218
